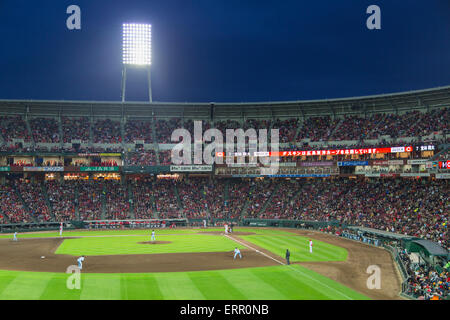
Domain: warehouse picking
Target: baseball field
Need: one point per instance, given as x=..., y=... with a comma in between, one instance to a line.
x=192, y=264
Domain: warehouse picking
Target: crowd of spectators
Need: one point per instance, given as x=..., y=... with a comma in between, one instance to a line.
x=166, y=204
x=193, y=197
x=258, y=195
x=117, y=201
x=223, y=125
x=287, y=129
x=143, y=200
x=424, y=281
x=215, y=199
x=11, y=206
x=238, y=193
x=14, y=127
x=407, y=206
x=45, y=130
x=138, y=130
x=89, y=200
x=62, y=197
x=189, y=125
x=317, y=128
x=282, y=204
x=357, y=128
x=76, y=129
x=34, y=198
x=164, y=129
x=165, y=157
x=107, y=131
x=141, y=158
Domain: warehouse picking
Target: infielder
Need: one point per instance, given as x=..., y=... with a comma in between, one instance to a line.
x=61, y=229
x=80, y=262
x=237, y=252
x=15, y=236
x=310, y=246
x=153, y=236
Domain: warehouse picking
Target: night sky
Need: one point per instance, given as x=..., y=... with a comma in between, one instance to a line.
x=225, y=51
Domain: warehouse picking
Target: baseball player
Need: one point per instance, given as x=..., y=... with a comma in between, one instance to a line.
x=226, y=229
x=153, y=236
x=288, y=254
x=310, y=246
x=80, y=262
x=237, y=252
x=15, y=236
x=61, y=229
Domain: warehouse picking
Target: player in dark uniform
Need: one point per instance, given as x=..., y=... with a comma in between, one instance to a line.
x=288, y=254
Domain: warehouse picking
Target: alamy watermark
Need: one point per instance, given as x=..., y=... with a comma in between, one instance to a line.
x=74, y=20
x=74, y=280
x=239, y=146
x=374, y=280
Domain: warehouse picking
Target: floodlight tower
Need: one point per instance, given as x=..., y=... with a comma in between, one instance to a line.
x=136, y=46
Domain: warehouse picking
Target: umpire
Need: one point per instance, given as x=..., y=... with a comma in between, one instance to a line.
x=288, y=254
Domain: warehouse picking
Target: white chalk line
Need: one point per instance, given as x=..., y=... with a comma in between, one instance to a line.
x=292, y=268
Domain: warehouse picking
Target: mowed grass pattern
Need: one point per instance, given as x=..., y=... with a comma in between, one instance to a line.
x=96, y=246
x=267, y=283
x=92, y=233
x=271, y=283
x=298, y=247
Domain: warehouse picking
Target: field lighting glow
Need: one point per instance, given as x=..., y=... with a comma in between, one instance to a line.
x=137, y=44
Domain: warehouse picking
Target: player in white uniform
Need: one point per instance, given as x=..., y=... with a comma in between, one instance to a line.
x=310, y=246
x=237, y=252
x=15, y=236
x=80, y=262
x=226, y=229
x=61, y=229
x=153, y=236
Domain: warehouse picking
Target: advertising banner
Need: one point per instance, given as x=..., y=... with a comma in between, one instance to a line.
x=44, y=169
x=99, y=169
x=417, y=161
x=444, y=164
x=352, y=163
x=317, y=164
x=191, y=168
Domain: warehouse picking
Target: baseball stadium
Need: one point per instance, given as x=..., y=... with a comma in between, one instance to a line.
x=363, y=179
x=342, y=198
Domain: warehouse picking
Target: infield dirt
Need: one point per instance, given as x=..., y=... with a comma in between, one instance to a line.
x=25, y=255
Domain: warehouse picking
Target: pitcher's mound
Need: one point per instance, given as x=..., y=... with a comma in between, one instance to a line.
x=155, y=242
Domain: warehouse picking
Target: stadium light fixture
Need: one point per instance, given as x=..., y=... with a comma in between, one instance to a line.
x=136, y=51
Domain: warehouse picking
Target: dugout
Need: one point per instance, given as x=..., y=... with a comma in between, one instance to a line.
x=385, y=237
x=432, y=252
x=280, y=223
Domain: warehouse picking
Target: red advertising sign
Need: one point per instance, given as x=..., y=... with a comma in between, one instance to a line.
x=325, y=152
x=444, y=164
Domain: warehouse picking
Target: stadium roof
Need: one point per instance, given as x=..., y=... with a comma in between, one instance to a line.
x=394, y=102
x=382, y=233
x=432, y=247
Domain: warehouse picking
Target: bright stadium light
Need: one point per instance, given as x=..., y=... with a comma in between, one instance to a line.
x=136, y=51
x=137, y=44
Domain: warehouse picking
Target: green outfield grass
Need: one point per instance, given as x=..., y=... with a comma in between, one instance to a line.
x=299, y=247
x=272, y=283
x=78, y=233
x=96, y=246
